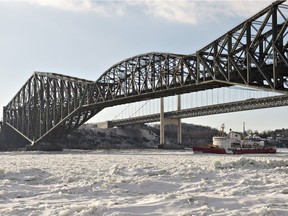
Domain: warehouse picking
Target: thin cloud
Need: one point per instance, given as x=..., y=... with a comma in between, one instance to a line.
x=246, y=8
x=75, y=6
x=180, y=11
x=99, y=7
x=194, y=12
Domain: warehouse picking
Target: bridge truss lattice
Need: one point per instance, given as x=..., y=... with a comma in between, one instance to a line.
x=253, y=54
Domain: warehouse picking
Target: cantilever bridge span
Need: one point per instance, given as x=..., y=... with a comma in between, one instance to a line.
x=253, y=54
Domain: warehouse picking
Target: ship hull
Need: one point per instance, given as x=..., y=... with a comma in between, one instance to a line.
x=233, y=151
x=209, y=150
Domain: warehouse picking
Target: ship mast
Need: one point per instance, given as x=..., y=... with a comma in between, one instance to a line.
x=222, y=129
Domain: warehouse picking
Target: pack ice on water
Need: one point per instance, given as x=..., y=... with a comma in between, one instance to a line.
x=143, y=182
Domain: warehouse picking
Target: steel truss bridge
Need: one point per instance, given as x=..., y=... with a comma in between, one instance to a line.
x=253, y=54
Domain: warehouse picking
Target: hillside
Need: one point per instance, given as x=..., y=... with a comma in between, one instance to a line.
x=89, y=136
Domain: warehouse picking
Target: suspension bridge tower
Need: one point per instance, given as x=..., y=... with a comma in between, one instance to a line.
x=168, y=121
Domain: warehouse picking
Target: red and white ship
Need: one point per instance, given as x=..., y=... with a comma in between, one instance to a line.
x=233, y=144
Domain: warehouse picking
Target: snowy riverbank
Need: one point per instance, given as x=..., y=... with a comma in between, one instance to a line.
x=143, y=182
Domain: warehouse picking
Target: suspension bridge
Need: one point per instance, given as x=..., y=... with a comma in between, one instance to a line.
x=236, y=106
x=254, y=54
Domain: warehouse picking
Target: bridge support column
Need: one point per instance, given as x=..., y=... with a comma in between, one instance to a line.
x=179, y=127
x=165, y=121
x=162, y=123
x=4, y=114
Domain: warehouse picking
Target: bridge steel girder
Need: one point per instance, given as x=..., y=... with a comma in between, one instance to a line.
x=253, y=54
x=46, y=103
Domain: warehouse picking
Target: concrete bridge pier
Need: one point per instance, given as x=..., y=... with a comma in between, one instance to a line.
x=166, y=121
x=1, y=123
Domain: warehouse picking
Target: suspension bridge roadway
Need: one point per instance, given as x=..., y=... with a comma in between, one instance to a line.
x=249, y=104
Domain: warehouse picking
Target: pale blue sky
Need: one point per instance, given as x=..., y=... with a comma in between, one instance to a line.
x=83, y=38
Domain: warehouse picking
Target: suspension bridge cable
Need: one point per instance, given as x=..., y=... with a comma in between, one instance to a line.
x=121, y=112
x=139, y=109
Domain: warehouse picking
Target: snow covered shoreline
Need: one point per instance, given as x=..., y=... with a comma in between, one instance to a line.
x=143, y=182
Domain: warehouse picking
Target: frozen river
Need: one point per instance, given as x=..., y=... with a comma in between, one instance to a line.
x=143, y=182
